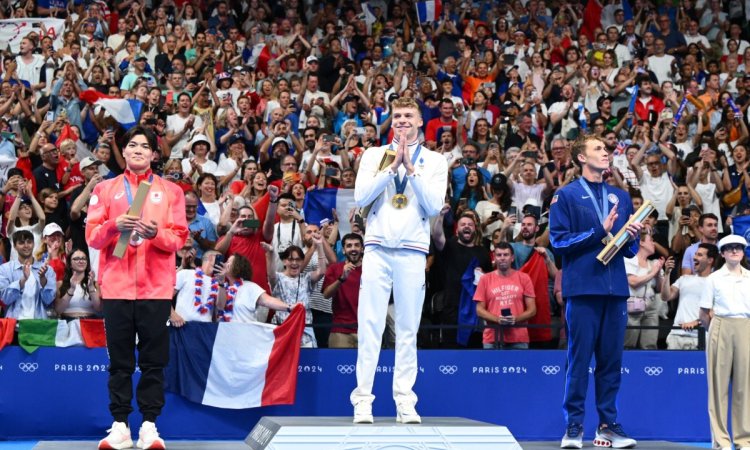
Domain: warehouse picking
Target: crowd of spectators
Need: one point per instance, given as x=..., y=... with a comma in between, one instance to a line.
x=258, y=102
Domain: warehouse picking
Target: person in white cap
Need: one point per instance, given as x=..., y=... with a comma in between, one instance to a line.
x=200, y=163
x=725, y=310
x=52, y=250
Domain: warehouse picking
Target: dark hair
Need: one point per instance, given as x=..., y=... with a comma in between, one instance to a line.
x=22, y=236
x=244, y=165
x=712, y=251
x=286, y=254
x=203, y=178
x=287, y=196
x=241, y=268
x=139, y=130
x=705, y=216
x=183, y=94
x=446, y=100
x=246, y=207
x=476, y=192
x=502, y=245
x=533, y=216
x=352, y=237
x=65, y=286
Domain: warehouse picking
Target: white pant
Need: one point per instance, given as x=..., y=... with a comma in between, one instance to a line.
x=383, y=269
x=681, y=342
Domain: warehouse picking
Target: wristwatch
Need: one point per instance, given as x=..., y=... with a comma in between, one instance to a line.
x=288, y=309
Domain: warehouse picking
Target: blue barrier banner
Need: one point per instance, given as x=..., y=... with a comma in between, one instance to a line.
x=62, y=394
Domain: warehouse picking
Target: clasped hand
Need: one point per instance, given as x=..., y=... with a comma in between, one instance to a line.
x=146, y=230
x=402, y=156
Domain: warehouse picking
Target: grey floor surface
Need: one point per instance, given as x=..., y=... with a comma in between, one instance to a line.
x=225, y=445
x=171, y=445
x=642, y=445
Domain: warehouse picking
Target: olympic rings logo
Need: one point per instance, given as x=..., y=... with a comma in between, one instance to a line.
x=345, y=369
x=28, y=367
x=448, y=370
x=653, y=371
x=550, y=370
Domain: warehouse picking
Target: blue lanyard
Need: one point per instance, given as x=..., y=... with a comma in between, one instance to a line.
x=401, y=184
x=602, y=211
x=128, y=192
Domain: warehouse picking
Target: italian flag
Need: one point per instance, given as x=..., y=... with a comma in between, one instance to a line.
x=35, y=333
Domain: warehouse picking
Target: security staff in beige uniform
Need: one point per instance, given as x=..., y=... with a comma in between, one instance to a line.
x=725, y=305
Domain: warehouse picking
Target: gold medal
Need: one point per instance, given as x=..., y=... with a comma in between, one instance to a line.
x=399, y=201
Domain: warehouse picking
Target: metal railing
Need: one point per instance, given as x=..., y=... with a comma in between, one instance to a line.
x=500, y=329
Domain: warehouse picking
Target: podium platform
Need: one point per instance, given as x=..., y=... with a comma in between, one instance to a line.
x=339, y=433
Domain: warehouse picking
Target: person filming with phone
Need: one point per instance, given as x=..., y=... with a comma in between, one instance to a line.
x=505, y=297
x=246, y=235
x=197, y=290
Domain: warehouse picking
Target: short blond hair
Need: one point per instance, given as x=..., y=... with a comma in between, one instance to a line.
x=406, y=102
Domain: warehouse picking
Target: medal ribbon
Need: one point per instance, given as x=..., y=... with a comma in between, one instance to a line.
x=601, y=211
x=401, y=183
x=128, y=192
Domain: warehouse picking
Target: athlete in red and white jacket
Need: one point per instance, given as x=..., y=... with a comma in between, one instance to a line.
x=137, y=288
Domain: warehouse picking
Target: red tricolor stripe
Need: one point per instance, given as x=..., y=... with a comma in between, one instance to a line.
x=281, y=375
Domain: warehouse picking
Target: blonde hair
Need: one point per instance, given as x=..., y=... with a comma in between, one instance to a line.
x=67, y=143
x=405, y=102
x=172, y=162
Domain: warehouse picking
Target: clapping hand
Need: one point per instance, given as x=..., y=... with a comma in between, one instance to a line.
x=76, y=278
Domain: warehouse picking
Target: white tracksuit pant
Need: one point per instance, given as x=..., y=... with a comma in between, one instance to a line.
x=404, y=270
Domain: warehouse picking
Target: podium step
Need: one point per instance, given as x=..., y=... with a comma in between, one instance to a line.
x=339, y=433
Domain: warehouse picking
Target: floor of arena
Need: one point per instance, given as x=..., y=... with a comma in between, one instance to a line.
x=234, y=445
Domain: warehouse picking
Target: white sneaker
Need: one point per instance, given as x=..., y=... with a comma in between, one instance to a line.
x=363, y=412
x=573, y=436
x=405, y=413
x=118, y=437
x=148, y=437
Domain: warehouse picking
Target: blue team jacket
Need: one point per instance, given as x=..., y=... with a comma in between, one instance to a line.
x=576, y=235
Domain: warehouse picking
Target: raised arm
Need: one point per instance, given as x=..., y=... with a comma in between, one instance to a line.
x=438, y=234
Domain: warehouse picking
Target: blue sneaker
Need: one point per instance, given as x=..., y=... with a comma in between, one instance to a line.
x=612, y=435
x=573, y=436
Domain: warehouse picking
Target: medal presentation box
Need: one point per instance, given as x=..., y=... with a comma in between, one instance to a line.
x=339, y=433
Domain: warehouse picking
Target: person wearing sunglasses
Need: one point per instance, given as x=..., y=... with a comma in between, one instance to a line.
x=725, y=309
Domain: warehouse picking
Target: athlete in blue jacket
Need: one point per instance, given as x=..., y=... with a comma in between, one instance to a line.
x=582, y=215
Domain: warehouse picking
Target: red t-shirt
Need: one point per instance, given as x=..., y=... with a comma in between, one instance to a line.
x=249, y=247
x=436, y=124
x=345, y=301
x=499, y=292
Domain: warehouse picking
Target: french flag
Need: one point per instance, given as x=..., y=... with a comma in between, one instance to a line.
x=126, y=112
x=429, y=11
x=320, y=203
x=236, y=365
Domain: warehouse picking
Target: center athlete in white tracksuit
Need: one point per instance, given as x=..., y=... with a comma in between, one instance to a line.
x=397, y=241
